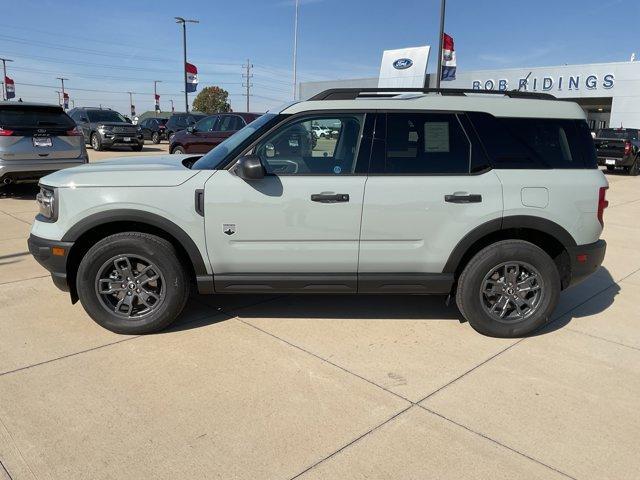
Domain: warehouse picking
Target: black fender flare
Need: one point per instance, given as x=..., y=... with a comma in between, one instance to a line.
x=140, y=216
x=514, y=221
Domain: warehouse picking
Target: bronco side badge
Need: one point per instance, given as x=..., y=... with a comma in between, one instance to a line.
x=229, y=228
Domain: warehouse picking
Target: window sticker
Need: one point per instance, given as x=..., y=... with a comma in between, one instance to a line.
x=436, y=137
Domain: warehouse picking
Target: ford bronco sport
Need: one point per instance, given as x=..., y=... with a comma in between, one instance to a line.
x=492, y=198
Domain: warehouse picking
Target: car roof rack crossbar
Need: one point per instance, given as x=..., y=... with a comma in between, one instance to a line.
x=369, y=92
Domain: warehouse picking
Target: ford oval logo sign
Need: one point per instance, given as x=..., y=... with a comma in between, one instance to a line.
x=402, y=63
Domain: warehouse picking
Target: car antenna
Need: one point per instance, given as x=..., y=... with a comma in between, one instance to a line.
x=526, y=80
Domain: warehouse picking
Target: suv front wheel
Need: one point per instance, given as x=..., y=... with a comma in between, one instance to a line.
x=508, y=289
x=132, y=283
x=96, y=142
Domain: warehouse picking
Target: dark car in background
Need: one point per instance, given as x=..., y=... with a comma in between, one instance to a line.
x=105, y=128
x=35, y=140
x=180, y=121
x=619, y=147
x=210, y=132
x=154, y=129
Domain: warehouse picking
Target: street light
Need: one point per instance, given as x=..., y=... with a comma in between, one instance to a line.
x=184, y=22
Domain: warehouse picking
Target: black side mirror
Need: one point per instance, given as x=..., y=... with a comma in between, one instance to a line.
x=250, y=168
x=84, y=119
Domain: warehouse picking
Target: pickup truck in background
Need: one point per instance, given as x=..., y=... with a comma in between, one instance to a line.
x=619, y=148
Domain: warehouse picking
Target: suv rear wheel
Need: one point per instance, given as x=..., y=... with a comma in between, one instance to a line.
x=155, y=137
x=508, y=289
x=132, y=283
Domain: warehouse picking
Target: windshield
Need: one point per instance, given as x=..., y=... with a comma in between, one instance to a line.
x=236, y=141
x=619, y=134
x=105, y=116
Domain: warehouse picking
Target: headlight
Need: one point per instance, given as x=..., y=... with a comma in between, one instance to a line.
x=106, y=128
x=46, y=200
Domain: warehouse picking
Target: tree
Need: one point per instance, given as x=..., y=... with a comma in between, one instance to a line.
x=212, y=100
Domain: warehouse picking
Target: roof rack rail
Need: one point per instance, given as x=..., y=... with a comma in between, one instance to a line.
x=353, y=93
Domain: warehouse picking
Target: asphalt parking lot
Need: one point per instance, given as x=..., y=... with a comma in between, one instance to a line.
x=319, y=387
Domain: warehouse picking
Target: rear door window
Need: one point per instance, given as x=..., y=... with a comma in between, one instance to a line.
x=34, y=117
x=423, y=144
x=535, y=143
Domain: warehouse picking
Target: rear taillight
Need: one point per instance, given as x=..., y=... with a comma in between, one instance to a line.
x=4, y=132
x=627, y=147
x=74, y=132
x=602, y=204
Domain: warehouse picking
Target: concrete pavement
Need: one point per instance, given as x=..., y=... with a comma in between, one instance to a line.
x=320, y=387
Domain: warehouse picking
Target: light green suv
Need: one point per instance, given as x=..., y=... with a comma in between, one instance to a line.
x=491, y=198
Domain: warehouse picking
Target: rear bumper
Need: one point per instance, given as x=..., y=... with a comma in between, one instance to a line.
x=586, y=259
x=41, y=249
x=36, y=168
x=617, y=161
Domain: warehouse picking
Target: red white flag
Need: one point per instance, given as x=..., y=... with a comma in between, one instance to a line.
x=192, y=77
x=448, y=58
x=9, y=87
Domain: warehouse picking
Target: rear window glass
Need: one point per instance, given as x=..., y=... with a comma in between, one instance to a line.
x=34, y=117
x=619, y=133
x=535, y=143
x=423, y=143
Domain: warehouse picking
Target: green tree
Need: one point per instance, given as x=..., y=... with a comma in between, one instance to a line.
x=212, y=100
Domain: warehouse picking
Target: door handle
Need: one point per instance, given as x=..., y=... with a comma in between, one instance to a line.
x=199, y=202
x=466, y=198
x=330, y=197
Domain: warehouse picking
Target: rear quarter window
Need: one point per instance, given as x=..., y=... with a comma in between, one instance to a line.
x=535, y=143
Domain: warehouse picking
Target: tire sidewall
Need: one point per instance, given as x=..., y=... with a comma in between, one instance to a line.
x=158, y=251
x=488, y=259
x=155, y=137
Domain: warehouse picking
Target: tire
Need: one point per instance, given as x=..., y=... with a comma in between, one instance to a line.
x=635, y=168
x=475, y=306
x=146, y=315
x=96, y=143
x=178, y=150
x=155, y=137
x=611, y=168
x=137, y=148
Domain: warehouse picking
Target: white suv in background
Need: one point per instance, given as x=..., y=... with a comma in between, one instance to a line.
x=493, y=198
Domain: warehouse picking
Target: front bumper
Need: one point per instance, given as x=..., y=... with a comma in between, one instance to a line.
x=42, y=250
x=36, y=168
x=586, y=259
x=110, y=139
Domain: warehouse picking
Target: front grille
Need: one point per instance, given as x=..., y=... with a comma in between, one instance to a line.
x=131, y=130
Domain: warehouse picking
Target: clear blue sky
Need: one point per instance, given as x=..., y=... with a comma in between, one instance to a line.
x=123, y=45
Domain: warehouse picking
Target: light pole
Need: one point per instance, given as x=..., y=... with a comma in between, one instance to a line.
x=155, y=95
x=4, y=83
x=184, y=22
x=295, y=50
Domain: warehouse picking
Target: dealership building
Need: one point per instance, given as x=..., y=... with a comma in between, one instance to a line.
x=608, y=92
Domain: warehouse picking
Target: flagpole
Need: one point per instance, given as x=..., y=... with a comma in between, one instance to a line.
x=295, y=50
x=184, y=21
x=440, y=40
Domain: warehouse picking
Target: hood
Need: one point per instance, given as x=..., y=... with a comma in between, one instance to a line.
x=142, y=171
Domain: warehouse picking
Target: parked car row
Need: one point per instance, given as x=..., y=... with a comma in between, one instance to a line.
x=209, y=132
